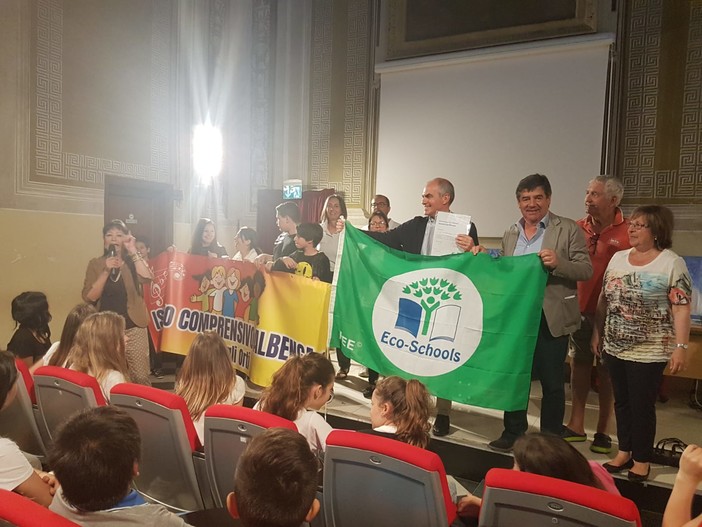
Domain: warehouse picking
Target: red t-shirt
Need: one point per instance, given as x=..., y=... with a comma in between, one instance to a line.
x=601, y=248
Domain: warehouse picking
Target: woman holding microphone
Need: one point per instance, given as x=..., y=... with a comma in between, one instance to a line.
x=113, y=283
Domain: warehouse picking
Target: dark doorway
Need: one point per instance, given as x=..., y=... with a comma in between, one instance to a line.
x=145, y=206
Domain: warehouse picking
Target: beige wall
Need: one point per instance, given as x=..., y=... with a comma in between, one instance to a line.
x=49, y=251
x=45, y=251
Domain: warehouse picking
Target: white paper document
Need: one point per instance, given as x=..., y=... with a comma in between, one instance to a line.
x=448, y=226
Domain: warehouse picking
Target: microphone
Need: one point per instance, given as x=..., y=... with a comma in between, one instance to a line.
x=114, y=273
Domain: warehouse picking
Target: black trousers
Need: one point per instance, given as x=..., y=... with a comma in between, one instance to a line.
x=549, y=368
x=344, y=361
x=635, y=386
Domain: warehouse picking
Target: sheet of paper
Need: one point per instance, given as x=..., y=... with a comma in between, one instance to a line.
x=448, y=226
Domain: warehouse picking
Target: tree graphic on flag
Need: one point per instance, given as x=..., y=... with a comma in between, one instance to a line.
x=431, y=292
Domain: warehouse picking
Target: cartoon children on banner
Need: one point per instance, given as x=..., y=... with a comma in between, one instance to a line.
x=205, y=280
x=223, y=292
x=230, y=295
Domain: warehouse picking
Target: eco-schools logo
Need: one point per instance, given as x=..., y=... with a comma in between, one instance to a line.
x=428, y=322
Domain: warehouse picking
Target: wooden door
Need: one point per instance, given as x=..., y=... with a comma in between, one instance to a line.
x=145, y=206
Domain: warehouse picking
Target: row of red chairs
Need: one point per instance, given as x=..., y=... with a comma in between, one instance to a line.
x=392, y=479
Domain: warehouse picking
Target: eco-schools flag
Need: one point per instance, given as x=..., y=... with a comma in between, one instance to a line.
x=464, y=325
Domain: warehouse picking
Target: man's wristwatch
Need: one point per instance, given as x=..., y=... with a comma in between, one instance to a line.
x=683, y=346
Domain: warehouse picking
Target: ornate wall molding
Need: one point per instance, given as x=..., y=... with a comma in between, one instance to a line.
x=262, y=68
x=356, y=101
x=320, y=107
x=660, y=152
x=79, y=175
x=348, y=67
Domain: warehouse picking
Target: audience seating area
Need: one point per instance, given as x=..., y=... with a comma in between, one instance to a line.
x=228, y=431
x=21, y=419
x=172, y=469
x=531, y=500
x=392, y=479
x=61, y=392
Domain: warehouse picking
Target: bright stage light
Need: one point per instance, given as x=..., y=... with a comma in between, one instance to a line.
x=207, y=151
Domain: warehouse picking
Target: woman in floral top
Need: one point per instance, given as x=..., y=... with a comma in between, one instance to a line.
x=642, y=324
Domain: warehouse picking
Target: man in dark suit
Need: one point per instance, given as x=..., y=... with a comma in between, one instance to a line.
x=560, y=244
x=415, y=236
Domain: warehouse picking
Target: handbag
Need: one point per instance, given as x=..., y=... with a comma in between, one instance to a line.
x=668, y=451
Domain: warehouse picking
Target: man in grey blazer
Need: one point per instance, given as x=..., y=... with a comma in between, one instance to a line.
x=560, y=244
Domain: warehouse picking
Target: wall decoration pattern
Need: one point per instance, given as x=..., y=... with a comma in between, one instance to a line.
x=81, y=174
x=262, y=77
x=320, y=105
x=356, y=102
x=340, y=121
x=660, y=152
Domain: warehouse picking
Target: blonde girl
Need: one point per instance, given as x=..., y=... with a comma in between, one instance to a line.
x=99, y=350
x=301, y=387
x=400, y=409
x=208, y=377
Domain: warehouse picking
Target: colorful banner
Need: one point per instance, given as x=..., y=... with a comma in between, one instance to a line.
x=264, y=318
x=464, y=325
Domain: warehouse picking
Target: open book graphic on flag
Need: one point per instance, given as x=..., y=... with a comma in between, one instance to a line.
x=443, y=324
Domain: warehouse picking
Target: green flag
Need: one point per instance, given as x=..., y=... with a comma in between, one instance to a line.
x=464, y=325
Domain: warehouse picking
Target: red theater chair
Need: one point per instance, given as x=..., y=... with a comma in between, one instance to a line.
x=62, y=392
x=228, y=432
x=519, y=498
x=171, y=472
x=19, y=421
x=372, y=480
x=23, y=512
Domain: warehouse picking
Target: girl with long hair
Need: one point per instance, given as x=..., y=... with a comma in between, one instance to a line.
x=58, y=352
x=113, y=282
x=400, y=409
x=334, y=208
x=300, y=388
x=204, y=240
x=99, y=350
x=246, y=244
x=549, y=455
x=31, y=340
x=207, y=378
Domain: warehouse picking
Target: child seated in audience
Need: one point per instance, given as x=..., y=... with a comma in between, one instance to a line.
x=400, y=410
x=307, y=260
x=31, y=340
x=549, y=455
x=58, y=352
x=208, y=377
x=95, y=457
x=276, y=482
x=98, y=350
x=678, y=511
x=16, y=474
x=301, y=387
